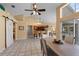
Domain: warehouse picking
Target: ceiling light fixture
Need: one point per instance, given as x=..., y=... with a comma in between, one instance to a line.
x=37, y=13
x=34, y=12
x=35, y=6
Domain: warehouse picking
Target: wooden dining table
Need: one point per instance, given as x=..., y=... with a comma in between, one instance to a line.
x=64, y=49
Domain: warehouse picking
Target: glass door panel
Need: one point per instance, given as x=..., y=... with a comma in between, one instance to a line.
x=77, y=31
x=68, y=31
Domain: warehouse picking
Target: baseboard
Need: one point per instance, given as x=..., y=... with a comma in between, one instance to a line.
x=1, y=50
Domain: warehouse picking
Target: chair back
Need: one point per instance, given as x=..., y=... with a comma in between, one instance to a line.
x=43, y=47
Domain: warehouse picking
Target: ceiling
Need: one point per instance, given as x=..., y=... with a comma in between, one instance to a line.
x=49, y=14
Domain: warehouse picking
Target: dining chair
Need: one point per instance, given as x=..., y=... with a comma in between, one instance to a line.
x=43, y=47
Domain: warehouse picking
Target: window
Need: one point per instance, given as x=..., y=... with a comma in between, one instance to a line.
x=74, y=6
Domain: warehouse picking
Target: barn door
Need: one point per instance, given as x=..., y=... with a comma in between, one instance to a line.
x=9, y=33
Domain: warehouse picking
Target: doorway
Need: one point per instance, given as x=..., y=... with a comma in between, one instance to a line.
x=29, y=31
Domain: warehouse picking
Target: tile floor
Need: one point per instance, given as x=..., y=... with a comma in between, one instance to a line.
x=28, y=47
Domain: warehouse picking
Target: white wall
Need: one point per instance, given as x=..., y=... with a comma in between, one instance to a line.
x=67, y=11
x=2, y=34
x=9, y=32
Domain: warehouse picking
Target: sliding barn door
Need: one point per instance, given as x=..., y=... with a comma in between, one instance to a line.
x=9, y=33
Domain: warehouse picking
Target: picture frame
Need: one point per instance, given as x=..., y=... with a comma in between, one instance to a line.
x=21, y=27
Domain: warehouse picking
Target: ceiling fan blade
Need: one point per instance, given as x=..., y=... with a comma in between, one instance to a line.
x=39, y=13
x=28, y=10
x=41, y=10
x=31, y=14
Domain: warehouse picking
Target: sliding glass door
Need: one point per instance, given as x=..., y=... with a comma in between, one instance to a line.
x=77, y=32
x=68, y=31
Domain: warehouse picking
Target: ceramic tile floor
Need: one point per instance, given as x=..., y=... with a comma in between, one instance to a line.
x=28, y=47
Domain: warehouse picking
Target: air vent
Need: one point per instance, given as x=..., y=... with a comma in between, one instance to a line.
x=13, y=6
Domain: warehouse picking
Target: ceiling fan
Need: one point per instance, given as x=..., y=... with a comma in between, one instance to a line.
x=35, y=10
